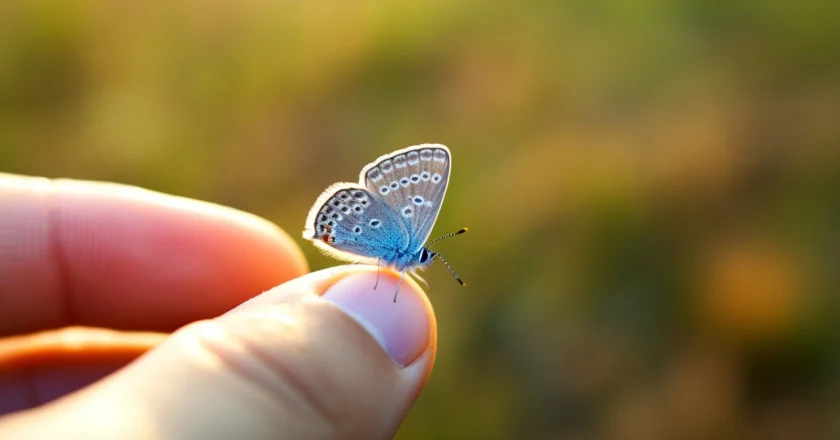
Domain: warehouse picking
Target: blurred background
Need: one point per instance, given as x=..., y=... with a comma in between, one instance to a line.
x=651, y=186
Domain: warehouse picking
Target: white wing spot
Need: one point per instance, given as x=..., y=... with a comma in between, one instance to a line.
x=440, y=156
x=413, y=158
x=399, y=161
x=386, y=166
x=374, y=175
x=408, y=212
x=427, y=204
x=436, y=178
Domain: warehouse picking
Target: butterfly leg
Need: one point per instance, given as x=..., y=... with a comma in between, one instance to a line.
x=398, y=286
x=419, y=278
x=377, y=274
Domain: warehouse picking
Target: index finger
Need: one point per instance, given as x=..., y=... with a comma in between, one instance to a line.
x=100, y=254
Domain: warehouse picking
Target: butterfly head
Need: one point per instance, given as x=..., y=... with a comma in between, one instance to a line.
x=425, y=257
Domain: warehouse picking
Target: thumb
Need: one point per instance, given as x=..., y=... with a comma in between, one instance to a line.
x=322, y=356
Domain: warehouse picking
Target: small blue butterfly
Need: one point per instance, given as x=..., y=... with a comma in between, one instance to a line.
x=387, y=217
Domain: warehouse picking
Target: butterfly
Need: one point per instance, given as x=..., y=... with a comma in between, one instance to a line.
x=387, y=217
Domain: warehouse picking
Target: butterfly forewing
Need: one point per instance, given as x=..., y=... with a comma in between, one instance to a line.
x=413, y=183
x=350, y=223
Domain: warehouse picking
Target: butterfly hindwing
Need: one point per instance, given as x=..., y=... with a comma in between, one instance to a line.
x=352, y=224
x=413, y=182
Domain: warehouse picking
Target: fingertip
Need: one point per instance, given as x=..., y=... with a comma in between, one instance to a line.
x=405, y=328
x=108, y=196
x=106, y=254
x=192, y=256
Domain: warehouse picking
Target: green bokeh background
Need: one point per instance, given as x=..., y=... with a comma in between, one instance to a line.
x=651, y=186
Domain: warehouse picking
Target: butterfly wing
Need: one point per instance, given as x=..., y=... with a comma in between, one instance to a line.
x=413, y=182
x=350, y=223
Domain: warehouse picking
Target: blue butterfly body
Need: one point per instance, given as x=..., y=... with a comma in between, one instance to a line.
x=387, y=217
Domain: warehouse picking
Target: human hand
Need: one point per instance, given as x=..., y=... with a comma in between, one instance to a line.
x=124, y=265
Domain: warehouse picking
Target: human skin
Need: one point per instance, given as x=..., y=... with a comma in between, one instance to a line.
x=126, y=313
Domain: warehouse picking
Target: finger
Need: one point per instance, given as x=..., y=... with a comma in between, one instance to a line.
x=111, y=255
x=40, y=367
x=287, y=364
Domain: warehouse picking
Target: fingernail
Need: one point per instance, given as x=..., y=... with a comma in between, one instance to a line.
x=402, y=328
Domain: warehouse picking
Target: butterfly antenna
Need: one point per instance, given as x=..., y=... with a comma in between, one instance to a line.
x=462, y=231
x=460, y=281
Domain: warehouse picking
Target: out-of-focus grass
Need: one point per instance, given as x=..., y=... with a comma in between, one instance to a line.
x=651, y=187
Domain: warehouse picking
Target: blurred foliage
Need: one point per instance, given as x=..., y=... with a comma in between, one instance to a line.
x=651, y=186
